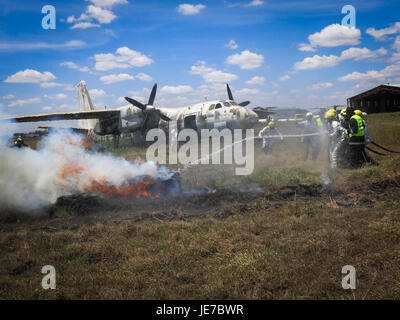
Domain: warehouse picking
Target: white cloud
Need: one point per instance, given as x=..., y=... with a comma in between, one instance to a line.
x=257, y=80
x=84, y=69
x=108, y=3
x=306, y=47
x=73, y=65
x=246, y=91
x=219, y=76
x=255, y=3
x=59, y=96
x=69, y=64
x=113, y=78
x=143, y=77
x=22, y=102
x=103, y=16
x=396, y=44
x=82, y=17
x=382, y=76
x=395, y=57
x=50, y=84
x=232, y=45
x=41, y=45
x=190, y=9
x=47, y=108
x=85, y=25
x=322, y=85
x=176, y=90
x=10, y=96
x=381, y=34
x=95, y=13
x=362, y=53
x=246, y=60
x=284, y=78
x=125, y=58
x=211, y=74
x=97, y=93
x=318, y=62
x=333, y=35
x=30, y=76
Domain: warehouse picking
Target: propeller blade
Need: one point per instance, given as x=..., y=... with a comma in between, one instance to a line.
x=244, y=103
x=164, y=117
x=136, y=103
x=152, y=95
x=230, y=96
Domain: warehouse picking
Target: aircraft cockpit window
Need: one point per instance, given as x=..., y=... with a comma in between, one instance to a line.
x=218, y=106
x=227, y=104
x=212, y=107
x=233, y=103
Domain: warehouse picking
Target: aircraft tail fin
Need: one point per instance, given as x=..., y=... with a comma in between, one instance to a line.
x=84, y=104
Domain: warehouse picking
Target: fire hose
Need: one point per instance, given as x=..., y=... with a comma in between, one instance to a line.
x=383, y=148
x=381, y=154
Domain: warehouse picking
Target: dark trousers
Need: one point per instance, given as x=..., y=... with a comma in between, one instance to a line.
x=356, y=155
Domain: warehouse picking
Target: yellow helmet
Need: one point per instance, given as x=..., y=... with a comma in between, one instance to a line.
x=343, y=112
x=271, y=124
x=358, y=112
x=330, y=114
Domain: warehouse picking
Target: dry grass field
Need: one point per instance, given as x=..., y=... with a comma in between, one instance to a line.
x=280, y=233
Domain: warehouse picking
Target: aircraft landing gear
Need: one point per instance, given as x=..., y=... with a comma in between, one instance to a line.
x=116, y=138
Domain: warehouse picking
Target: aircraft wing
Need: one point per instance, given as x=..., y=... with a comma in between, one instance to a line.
x=75, y=115
x=263, y=113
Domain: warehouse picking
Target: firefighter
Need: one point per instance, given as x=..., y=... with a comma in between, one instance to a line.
x=337, y=135
x=19, y=142
x=310, y=136
x=356, y=134
x=269, y=134
x=342, y=117
x=367, y=137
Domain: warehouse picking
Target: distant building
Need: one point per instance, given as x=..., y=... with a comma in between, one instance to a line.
x=384, y=98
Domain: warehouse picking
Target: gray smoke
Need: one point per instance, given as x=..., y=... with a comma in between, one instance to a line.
x=31, y=179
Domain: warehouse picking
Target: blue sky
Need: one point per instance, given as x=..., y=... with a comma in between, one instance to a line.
x=274, y=53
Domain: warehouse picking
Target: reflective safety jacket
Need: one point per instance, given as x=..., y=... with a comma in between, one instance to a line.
x=319, y=122
x=356, y=130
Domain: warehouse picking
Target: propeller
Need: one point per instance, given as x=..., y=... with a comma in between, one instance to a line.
x=148, y=112
x=230, y=96
x=244, y=103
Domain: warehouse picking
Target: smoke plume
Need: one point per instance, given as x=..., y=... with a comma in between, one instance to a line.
x=31, y=179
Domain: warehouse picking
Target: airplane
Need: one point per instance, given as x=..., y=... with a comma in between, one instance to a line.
x=138, y=118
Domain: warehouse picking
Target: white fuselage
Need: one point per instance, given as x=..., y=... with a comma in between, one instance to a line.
x=206, y=115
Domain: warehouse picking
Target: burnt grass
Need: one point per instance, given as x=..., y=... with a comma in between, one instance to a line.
x=286, y=239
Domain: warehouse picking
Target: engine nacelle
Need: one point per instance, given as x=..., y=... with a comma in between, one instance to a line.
x=131, y=119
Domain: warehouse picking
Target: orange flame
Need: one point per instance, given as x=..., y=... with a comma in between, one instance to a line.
x=139, y=189
x=72, y=172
